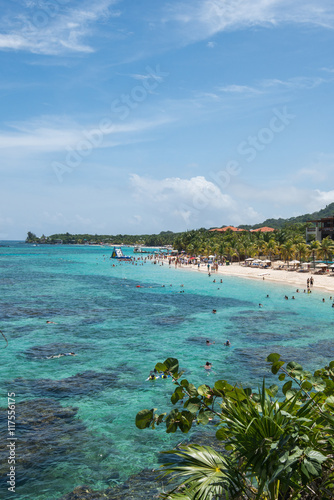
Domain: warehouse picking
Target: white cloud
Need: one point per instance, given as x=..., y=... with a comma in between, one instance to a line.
x=47, y=134
x=191, y=201
x=49, y=28
x=204, y=18
x=198, y=192
x=296, y=83
x=211, y=45
x=322, y=198
x=240, y=89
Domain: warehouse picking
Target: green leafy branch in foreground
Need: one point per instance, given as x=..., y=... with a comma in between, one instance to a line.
x=276, y=448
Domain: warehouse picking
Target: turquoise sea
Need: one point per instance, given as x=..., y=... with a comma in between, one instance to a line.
x=120, y=321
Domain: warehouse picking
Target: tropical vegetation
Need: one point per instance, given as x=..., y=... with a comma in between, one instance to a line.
x=279, y=442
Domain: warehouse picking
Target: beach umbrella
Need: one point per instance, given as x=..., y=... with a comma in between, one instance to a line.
x=249, y=259
x=295, y=262
x=332, y=266
x=321, y=264
x=212, y=256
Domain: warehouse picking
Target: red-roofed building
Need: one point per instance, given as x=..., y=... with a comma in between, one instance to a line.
x=264, y=229
x=227, y=228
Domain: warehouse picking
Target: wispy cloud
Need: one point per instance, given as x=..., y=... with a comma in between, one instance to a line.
x=205, y=18
x=265, y=86
x=48, y=134
x=45, y=28
x=240, y=89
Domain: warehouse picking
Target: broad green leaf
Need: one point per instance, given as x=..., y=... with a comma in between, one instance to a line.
x=192, y=390
x=222, y=386
x=221, y=434
x=144, y=418
x=193, y=405
x=306, y=385
x=316, y=456
x=160, y=367
x=317, y=383
x=203, y=389
x=203, y=417
x=276, y=366
x=314, y=468
x=172, y=365
x=286, y=387
x=281, y=376
x=172, y=427
x=305, y=470
x=273, y=357
x=294, y=367
x=171, y=421
x=291, y=393
x=272, y=391
x=185, y=421
x=177, y=395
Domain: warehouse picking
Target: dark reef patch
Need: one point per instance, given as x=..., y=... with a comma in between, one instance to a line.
x=168, y=320
x=146, y=484
x=81, y=384
x=45, y=432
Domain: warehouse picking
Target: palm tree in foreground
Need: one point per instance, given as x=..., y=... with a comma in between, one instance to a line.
x=326, y=248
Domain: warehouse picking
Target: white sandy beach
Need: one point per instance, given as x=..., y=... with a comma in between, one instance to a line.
x=323, y=282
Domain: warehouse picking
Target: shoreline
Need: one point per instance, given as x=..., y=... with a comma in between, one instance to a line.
x=294, y=278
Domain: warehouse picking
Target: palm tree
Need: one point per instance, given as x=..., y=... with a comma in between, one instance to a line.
x=313, y=249
x=301, y=250
x=270, y=248
x=287, y=250
x=326, y=248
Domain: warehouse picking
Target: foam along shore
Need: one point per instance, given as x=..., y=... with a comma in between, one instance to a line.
x=295, y=278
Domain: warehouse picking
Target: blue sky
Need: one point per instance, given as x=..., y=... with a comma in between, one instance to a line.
x=144, y=116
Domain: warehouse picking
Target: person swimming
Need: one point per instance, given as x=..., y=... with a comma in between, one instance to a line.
x=209, y=343
x=207, y=366
x=227, y=342
x=61, y=355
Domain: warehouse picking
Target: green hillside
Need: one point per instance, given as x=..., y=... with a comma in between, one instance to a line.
x=279, y=223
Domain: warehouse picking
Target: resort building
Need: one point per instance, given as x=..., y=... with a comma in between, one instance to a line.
x=322, y=228
x=264, y=229
x=227, y=228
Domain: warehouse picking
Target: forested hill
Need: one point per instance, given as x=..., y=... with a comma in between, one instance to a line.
x=168, y=237
x=279, y=223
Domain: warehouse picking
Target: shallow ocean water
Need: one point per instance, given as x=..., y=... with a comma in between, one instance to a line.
x=119, y=331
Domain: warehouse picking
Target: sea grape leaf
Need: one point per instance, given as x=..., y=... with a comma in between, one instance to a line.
x=144, y=418
x=273, y=357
